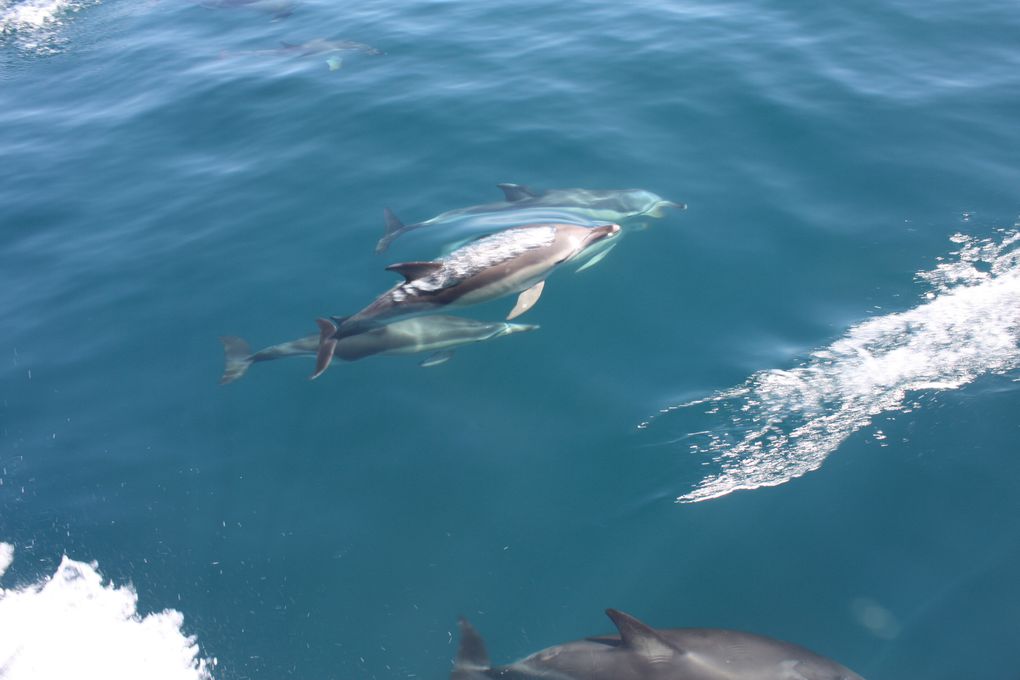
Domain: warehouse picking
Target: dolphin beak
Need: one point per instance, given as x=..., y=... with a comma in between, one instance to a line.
x=597, y=234
x=519, y=328
x=658, y=210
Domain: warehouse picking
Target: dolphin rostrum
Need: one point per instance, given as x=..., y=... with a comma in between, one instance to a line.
x=436, y=333
x=609, y=205
x=641, y=652
x=516, y=260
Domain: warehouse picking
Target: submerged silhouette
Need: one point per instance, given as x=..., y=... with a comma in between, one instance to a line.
x=609, y=205
x=436, y=333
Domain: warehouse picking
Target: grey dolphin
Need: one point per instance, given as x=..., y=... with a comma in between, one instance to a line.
x=610, y=205
x=434, y=333
x=516, y=260
x=280, y=9
x=641, y=652
x=315, y=46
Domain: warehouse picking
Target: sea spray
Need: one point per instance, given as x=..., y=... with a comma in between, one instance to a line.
x=780, y=424
x=72, y=625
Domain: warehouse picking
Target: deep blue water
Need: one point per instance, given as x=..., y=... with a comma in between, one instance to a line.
x=167, y=177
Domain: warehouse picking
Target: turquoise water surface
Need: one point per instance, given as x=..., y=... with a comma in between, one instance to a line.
x=791, y=408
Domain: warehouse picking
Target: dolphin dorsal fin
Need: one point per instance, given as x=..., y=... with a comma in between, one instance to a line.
x=642, y=638
x=516, y=192
x=414, y=270
x=472, y=653
x=327, y=345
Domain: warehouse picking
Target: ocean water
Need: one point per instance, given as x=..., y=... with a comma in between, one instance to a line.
x=791, y=408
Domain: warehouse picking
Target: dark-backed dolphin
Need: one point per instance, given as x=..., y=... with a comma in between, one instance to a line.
x=609, y=205
x=641, y=652
x=436, y=333
x=511, y=261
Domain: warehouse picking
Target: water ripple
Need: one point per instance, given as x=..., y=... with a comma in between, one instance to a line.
x=36, y=26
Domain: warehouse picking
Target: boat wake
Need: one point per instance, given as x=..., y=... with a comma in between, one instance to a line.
x=781, y=424
x=71, y=625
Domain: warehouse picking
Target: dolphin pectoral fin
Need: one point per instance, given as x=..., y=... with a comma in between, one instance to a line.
x=394, y=228
x=414, y=270
x=238, y=358
x=327, y=345
x=526, y=300
x=436, y=358
x=595, y=260
x=642, y=638
x=334, y=63
x=516, y=192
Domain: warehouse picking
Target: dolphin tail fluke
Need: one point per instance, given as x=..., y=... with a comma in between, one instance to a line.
x=238, y=358
x=472, y=657
x=394, y=228
x=327, y=345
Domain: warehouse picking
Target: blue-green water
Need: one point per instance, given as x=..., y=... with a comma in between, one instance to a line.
x=167, y=177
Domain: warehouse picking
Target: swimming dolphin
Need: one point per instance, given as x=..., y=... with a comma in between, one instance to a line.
x=610, y=205
x=516, y=260
x=315, y=46
x=641, y=652
x=435, y=333
x=280, y=9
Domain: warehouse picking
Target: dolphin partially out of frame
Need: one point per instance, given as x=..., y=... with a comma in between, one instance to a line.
x=516, y=260
x=609, y=205
x=436, y=333
x=641, y=652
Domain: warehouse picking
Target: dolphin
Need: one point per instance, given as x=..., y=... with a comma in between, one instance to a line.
x=516, y=260
x=315, y=46
x=280, y=9
x=641, y=652
x=436, y=333
x=610, y=205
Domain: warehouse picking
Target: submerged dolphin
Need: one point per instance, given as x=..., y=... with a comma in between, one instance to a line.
x=315, y=46
x=507, y=262
x=435, y=333
x=641, y=652
x=611, y=205
x=280, y=9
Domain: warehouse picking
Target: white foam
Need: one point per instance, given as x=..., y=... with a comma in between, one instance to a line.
x=36, y=24
x=6, y=557
x=72, y=625
x=781, y=424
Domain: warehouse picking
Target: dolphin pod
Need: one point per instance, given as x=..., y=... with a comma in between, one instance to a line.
x=608, y=205
x=515, y=260
x=640, y=652
x=436, y=333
